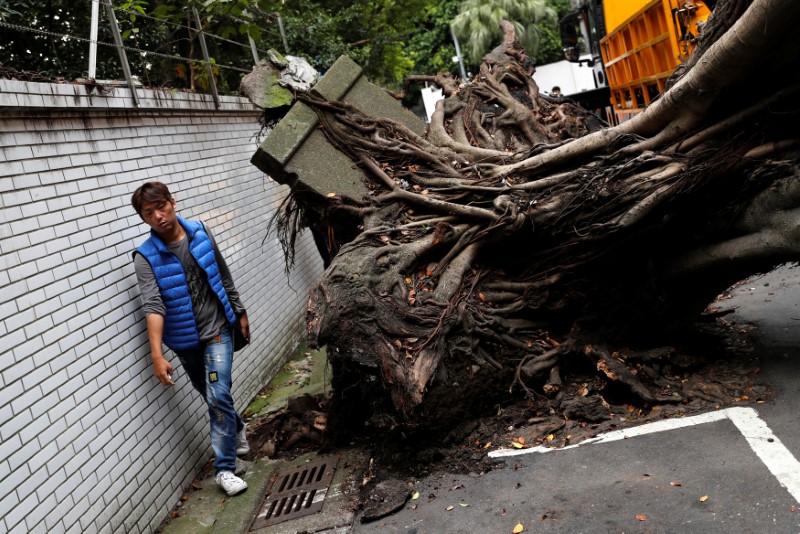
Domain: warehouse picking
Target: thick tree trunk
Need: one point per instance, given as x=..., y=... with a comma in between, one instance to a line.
x=520, y=239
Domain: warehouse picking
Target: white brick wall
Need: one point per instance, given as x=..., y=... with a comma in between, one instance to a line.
x=89, y=440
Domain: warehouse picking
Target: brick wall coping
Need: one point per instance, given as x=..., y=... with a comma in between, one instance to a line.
x=27, y=95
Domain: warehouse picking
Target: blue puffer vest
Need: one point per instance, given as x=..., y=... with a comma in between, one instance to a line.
x=180, y=328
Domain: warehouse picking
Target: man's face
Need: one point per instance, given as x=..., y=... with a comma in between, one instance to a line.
x=160, y=216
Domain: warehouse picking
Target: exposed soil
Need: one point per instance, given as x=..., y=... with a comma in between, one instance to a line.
x=714, y=367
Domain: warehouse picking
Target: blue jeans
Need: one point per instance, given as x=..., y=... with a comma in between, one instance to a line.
x=209, y=368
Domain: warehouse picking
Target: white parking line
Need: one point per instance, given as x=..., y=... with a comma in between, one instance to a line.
x=776, y=457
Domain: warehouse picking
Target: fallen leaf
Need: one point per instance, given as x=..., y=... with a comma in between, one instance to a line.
x=551, y=437
x=424, y=192
x=482, y=296
x=488, y=444
x=517, y=445
x=641, y=517
x=463, y=504
x=519, y=528
x=384, y=238
x=793, y=508
x=704, y=498
x=413, y=506
x=450, y=508
x=602, y=366
x=408, y=281
x=521, y=440
x=415, y=496
x=331, y=195
x=320, y=422
x=583, y=392
x=676, y=484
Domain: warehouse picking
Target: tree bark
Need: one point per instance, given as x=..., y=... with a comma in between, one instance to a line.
x=521, y=240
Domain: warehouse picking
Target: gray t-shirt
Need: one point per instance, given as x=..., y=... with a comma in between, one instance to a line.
x=208, y=310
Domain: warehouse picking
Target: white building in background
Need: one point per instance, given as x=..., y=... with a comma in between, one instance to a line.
x=572, y=78
x=430, y=95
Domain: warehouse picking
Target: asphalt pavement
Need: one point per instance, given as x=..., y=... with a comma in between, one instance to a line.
x=730, y=470
x=733, y=470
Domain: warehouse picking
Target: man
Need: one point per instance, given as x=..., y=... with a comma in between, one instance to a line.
x=192, y=306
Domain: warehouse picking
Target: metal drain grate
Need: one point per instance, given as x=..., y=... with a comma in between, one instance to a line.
x=296, y=492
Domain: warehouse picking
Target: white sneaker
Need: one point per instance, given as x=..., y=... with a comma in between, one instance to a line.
x=230, y=483
x=242, y=447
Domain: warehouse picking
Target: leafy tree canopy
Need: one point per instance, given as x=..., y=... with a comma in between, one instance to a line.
x=389, y=39
x=478, y=23
x=550, y=47
x=51, y=38
x=383, y=36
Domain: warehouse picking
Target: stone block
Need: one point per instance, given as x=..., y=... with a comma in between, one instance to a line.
x=262, y=88
x=338, y=80
x=297, y=151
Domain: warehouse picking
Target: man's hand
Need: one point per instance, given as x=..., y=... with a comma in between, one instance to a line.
x=244, y=325
x=155, y=331
x=163, y=371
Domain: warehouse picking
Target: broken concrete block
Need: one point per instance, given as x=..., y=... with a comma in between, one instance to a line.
x=298, y=74
x=345, y=81
x=297, y=151
x=271, y=82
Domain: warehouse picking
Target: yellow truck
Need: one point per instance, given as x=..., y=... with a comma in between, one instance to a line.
x=634, y=45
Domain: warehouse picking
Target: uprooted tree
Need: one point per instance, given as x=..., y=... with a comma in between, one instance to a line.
x=519, y=238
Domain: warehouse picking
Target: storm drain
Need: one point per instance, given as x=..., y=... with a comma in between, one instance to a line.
x=296, y=492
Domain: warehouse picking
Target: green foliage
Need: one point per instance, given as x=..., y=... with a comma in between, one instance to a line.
x=313, y=32
x=43, y=53
x=478, y=24
x=432, y=48
x=390, y=39
x=550, y=48
x=160, y=26
x=6, y=10
x=376, y=34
